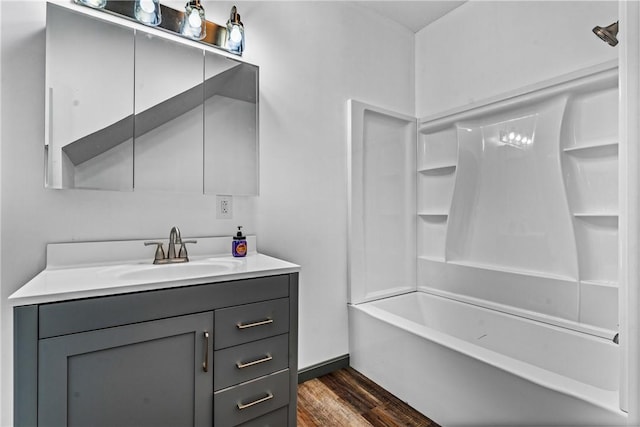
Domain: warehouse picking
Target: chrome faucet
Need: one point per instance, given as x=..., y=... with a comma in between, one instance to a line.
x=174, y=237
x=171, y=257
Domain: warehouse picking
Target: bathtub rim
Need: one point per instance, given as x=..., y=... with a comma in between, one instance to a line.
x=606, y=399
x=548, y=319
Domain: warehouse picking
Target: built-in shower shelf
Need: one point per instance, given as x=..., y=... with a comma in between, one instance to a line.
x=502, y=269
x=442, y=216
x=432, y=258
x=438, y=169
x=513, y=271
x=595, y=214
x=606, y=221
x=603, y=283
x=605, y=146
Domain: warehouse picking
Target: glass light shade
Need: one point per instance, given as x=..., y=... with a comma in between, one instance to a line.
x=148, y=12
x=96, y=4
x=235, y=33
x=194, y=22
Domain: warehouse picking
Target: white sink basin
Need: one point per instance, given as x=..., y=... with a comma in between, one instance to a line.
x=173, y=272
x=169, y=272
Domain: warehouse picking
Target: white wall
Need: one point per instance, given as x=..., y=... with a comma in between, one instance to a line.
x=485, y=48
x=630, y=208
x=323, y=54
x=32, y=216
x=307, y=75
x=2, y=308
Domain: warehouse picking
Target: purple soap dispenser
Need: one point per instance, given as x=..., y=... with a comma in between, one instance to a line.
x=239, y=244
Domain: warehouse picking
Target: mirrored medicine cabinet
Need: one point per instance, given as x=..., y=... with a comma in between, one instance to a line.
x=134, y=110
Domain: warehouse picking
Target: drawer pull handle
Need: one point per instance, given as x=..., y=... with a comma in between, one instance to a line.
x=251, y=325
x=205, y=364
x=266, y=358
x=242, y=406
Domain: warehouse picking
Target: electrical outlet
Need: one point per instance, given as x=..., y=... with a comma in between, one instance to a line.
x=224, y=207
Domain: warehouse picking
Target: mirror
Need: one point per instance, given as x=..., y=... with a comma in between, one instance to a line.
x=129, y=109
x=168, y=121
x=230, y=126
x=89, y=105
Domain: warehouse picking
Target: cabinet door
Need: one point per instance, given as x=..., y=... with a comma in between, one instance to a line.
x=89, y=105
x=168, y=115
x=145, y=374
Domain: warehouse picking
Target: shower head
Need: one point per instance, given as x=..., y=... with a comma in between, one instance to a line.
x=608, y=34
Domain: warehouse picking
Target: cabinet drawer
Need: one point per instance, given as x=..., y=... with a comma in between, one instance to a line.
x=251, y=322
x=241, y=363
x=69, y=317
x=276, y=418
x=250, y=400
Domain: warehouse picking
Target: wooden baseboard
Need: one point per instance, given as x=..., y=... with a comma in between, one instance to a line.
x=323, y=368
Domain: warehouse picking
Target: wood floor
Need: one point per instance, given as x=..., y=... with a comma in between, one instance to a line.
x=346, y=398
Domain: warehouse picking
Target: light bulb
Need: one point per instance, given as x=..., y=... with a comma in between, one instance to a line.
x=512, y=135
x=97, y=4
x=194, y=19
x=147, y=6
x=148, y=12
x=518, y=138
x=236, y=34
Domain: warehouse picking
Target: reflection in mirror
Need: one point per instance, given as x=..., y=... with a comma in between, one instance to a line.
x=89, y=106
x=131, y=109
x=168, y=115
x=230, y=126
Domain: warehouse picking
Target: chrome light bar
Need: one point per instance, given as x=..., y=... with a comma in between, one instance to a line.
x=172, y=21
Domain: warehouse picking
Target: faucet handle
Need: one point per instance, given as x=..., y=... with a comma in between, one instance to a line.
x=159, y=250
x=183, y=248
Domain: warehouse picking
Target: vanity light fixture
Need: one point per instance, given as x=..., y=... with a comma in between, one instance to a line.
x=148, y=12
x=96, y=4
x=194, y=22
x=235, y=33
x=189, y=22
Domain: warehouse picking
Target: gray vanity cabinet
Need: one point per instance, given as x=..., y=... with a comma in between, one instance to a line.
x=220, y=354
x=152, y=372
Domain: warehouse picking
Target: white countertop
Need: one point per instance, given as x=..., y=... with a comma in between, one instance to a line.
x=59, y=282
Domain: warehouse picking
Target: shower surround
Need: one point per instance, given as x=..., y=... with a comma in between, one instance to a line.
x=510, y=211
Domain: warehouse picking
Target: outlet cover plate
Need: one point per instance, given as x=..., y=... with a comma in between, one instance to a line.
x=224, y=207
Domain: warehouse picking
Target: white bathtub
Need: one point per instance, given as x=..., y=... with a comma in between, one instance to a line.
x=460, y=364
